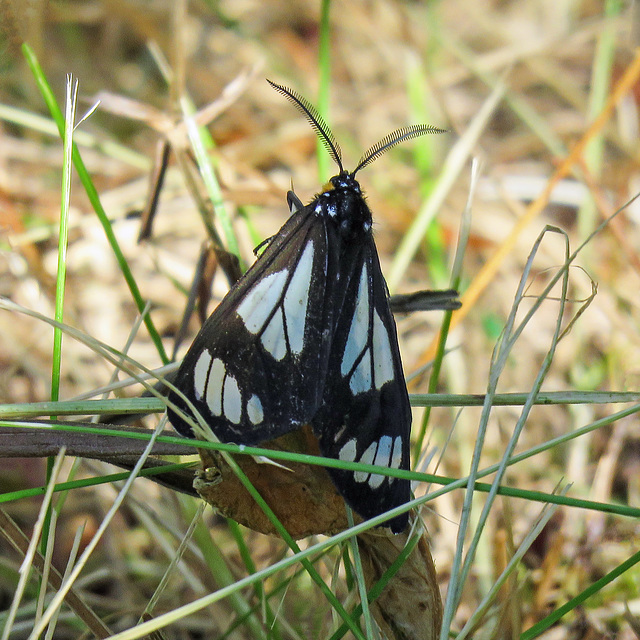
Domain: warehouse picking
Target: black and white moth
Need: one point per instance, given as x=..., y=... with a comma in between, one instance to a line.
x=306, y=336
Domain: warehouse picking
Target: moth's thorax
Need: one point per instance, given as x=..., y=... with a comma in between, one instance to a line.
x=342, y=202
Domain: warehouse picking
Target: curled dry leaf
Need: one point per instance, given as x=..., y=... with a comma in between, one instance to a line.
x=305, y=501
x=409, y=607
x=302, y=496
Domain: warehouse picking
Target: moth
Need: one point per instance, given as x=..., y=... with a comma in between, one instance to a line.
x=306, y=336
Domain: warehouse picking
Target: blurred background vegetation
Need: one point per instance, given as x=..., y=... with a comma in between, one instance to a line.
x=518, y=84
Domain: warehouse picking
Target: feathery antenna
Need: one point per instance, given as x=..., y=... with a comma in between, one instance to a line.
x=391, y=140
x=330, y=143
x=315, y=120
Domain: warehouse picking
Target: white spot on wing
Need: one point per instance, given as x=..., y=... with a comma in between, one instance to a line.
x=214, y=387
x=382, y=459
x=296, y=299
x=260, y=301
x=382, y=355
x=384, y=451
x=359, y=331
x=254, y=410
x=348, y=451
x=366, y=458
x=200, y=374
x=361, y=379
x=376, y=480
x=273, y=337
x=396, y=455
x=232, y=401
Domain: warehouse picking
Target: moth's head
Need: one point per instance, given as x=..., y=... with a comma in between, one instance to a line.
x=344, y=180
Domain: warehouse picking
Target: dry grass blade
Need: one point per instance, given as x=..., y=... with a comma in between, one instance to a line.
x=487, y=273
x=20, y=542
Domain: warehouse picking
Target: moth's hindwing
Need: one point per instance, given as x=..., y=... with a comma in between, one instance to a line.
x=366, y=415
x=257, y=368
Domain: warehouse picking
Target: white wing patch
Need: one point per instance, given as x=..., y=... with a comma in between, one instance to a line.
x=254, y=410
x=214, y=386
x=231, y=400
x=366, y=458
x=382, y=355
x=359, y=330
x=200, y=374
x=396, y=456
x=348, y=451
x=296, y=300
x=383, y=454
x=222, y=393
x=375, y=366
x=386, y=452
x=258, y=304
x=376, y=479
x=361, y=378
x=273, y=338
x=267, y=313
x=382, y=459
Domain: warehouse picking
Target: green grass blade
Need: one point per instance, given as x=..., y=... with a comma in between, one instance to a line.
x=245, y=554
x=311, y=570
x=219, y=568
x=456, y=279
x=360, y=581
x=199, y=144
x=63, y=242
x=36, y=122
x=13, y=496
x=58, y=598
x=94, y=198
x=63, y=237
x=151, y=405
x=543, y=625
x=601, y=71
x=453, y=166
x=25, y=569
x=324, y=68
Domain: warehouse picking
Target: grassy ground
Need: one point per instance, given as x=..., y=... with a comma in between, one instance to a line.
x=543, y=95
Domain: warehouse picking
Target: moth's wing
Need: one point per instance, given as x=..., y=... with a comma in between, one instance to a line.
x=257, y=368
x=366, y=416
